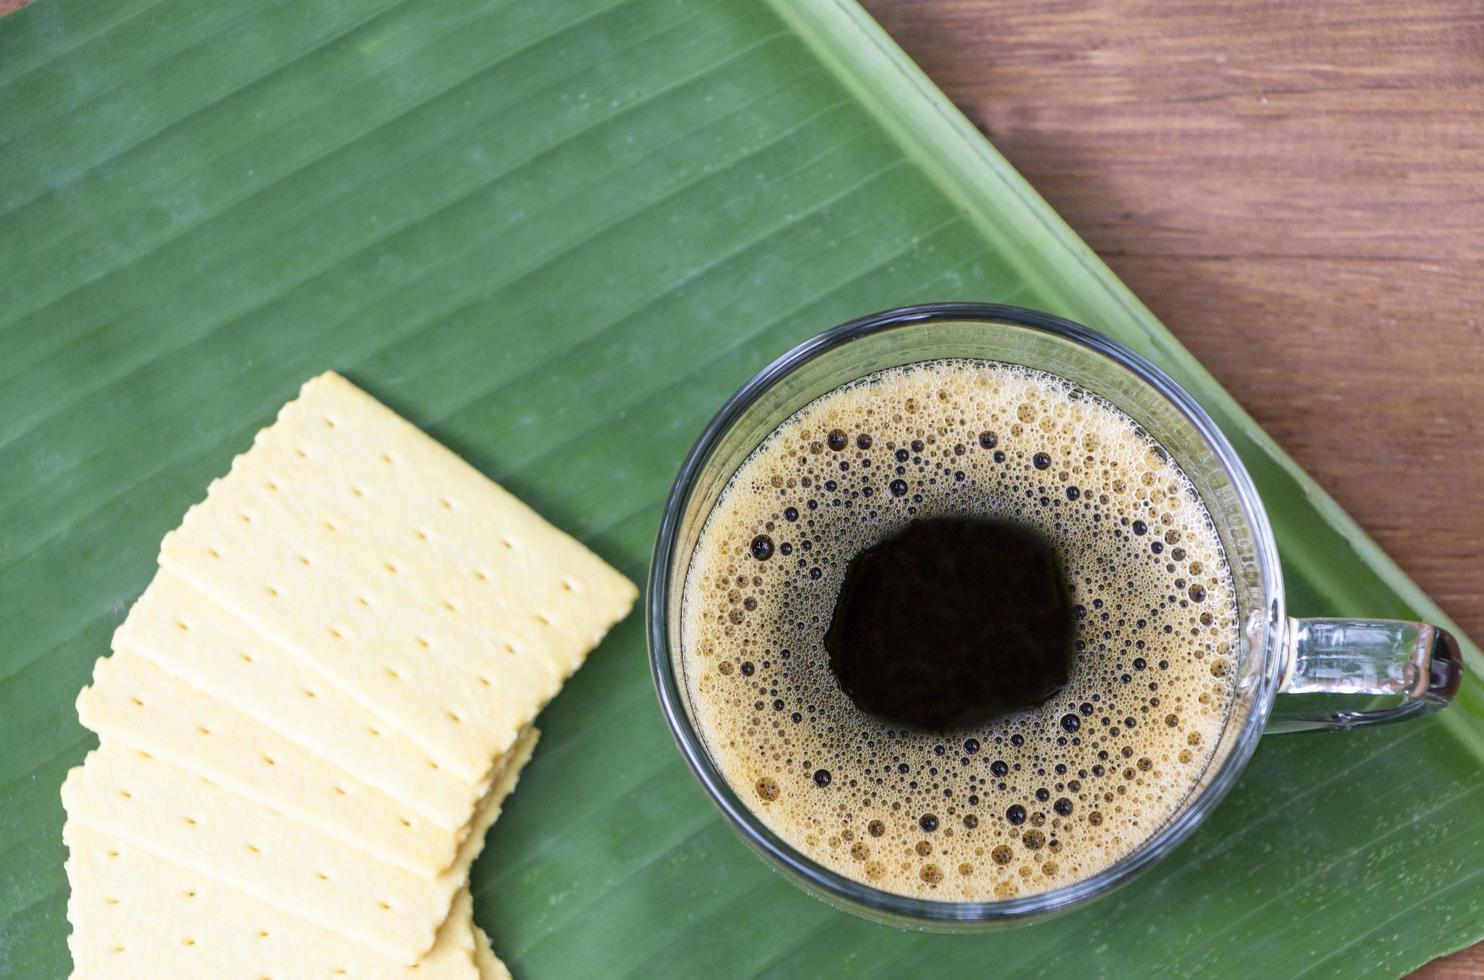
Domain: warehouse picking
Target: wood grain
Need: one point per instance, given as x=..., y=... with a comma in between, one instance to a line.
x=1297, y=191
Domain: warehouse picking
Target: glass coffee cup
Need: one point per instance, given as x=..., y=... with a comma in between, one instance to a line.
x=1291, y=674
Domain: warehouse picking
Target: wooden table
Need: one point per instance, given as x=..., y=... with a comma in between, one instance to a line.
x=1297, y=191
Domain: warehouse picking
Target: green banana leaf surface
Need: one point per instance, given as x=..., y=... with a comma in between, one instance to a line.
x=557, y=234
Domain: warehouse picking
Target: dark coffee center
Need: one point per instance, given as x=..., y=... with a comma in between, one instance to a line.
x=951, y=621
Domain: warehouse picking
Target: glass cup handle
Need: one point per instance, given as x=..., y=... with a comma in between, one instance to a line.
x=1354, y=662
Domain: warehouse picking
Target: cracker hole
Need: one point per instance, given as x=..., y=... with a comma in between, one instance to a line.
x=387, y=457
x=111, y=853
x=404, y=821
x=340, y=791
x=271, y=487
x=268, y=760
x=421, y=534
x=329, y=526
x=340, y=971
x=190, y=893
x=485, y=681
x=203, y=729
x=263, y=934
x=180, y=624
x=329, y=422
x=453, y=717
x=213, y=552
x=479, y=574
x=126, y=794
x=372, y=729
x=298, y=451
x=322, y=876
x=507, y=543
x=568, y=585
x=393, y=675
x=272, y=592
x=335, y=632
x=432, y=764
x=391, y=566
x=304, y=560
x=422, y=641
x=135, y=701
x=254, y=849
x=384, y=906
x=450, y=605
x=543, y=619
x=118, y=949
x=308, y=693
x=246, y=657
x=446, y=503
x=188, y=941
x=510, y=647
x=110, y=901
x=363, y=601
x=189, y=821
x=246, y=518
x=357, y=490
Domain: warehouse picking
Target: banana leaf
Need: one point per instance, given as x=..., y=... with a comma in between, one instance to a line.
x=556, y=234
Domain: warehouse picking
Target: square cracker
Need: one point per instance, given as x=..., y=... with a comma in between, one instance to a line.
x=376, y=555
x=137, y=917
x=194, y=823
x=187, y=635
x=134, y=702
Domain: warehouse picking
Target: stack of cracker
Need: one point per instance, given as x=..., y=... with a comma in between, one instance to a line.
x=314, y=712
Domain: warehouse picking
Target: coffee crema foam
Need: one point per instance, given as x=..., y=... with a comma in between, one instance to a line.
x=1032, y=800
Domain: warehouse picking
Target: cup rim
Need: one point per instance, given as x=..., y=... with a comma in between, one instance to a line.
x=846, y=892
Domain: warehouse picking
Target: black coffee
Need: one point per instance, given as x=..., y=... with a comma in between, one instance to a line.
x=878, y=614
x=951, y=621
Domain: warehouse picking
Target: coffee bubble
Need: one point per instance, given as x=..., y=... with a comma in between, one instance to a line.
x=1020, y=803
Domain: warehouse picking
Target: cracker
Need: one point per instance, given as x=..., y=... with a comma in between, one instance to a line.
x=134, y=915
x=490, y=967
x=134, y=702
x=203, y=827
x=377, y=556
x=219, y=656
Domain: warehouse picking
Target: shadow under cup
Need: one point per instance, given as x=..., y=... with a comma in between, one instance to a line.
x=1014, y=336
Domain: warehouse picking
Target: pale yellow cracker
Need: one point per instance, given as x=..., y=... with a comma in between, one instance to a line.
x=137, y=917
x=433, y=596
x=490, y=967
x=134, y=702
x=197, y=824
x=186, y=634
